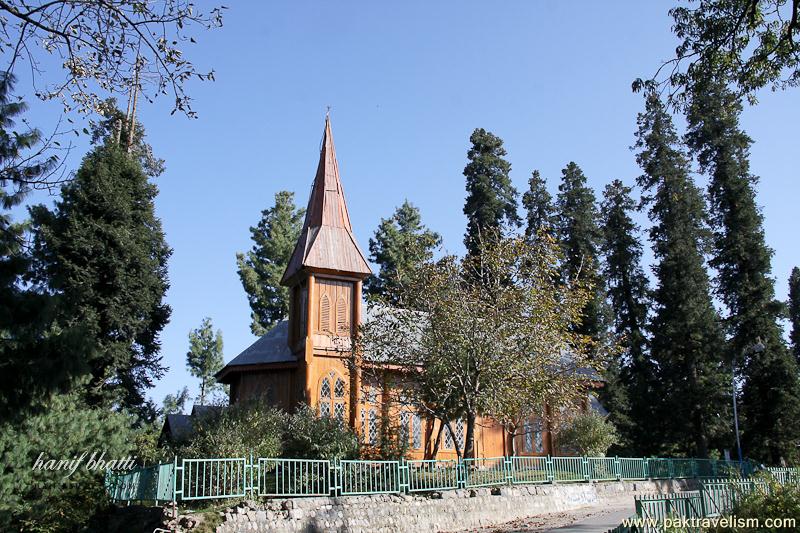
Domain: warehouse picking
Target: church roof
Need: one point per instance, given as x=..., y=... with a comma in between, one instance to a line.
x=327, y=241
x=272, y=347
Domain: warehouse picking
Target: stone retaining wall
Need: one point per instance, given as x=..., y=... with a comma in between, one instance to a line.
x=445, y=511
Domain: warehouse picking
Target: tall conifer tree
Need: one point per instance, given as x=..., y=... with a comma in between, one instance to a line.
x=579, y=236
x=794, y=311
x=538, y=203
x=261, y=269
x=204, y=358
x=741, y=257
x=399, y=243
x=102, y=252
x=630, y=378
x=693, y=377
x=491, y=198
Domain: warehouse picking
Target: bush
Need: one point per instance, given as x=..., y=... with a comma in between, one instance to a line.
x=588, y=434
x=237, y=431
x=779, y=501
x=52, y=501
x=308, y=436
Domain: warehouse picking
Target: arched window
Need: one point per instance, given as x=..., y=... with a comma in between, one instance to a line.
x=332, y=396
x=325, y=313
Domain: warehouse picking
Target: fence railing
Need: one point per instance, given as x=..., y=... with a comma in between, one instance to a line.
x=716, y=497
x=220, y=478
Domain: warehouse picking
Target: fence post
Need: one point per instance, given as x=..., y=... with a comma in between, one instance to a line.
x=586, y=473
x=404, y=481
x=548, y=466
x=695, y=470
x=508, y=463
x=175, y=487
x=617, y=467
x=335, y=477
x=461, y=474
x=670, y=469
x=646, y=468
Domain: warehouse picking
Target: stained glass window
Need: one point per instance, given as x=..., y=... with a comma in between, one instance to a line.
x=325, y=409
x=373, y=427
x=460, y=432
x=338, y=411
x=528, y=429
x=448, y=439
x=537, y=436
x=402, y=435
x=325, y=389
x=416, y=431
x=338, y=389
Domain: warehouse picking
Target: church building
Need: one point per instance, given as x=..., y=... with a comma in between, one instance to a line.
x=305, y=358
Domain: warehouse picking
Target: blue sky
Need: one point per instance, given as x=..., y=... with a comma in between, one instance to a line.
x=407, y=83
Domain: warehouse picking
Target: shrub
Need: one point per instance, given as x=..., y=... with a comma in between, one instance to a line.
x=308, y=436
x=778, y=501
x=588, y=434
x=237, y=431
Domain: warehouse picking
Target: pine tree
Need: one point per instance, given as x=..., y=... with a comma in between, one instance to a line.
x=102, y=252
x=34, y=357
x=794, y=311
x=630, y=378
x=204, y=358
x=692, y=378
x=175, y=403
x=539, y=205
x=491, y=198
x=579, y=236
x=741, y=257
x=399, y=243
x=261, y=269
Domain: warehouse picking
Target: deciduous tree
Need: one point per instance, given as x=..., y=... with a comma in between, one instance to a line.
x=490, y=335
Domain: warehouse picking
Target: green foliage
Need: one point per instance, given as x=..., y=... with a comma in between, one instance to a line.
x=741, y=258
x=776, y=501
x=237, y=431
x=175, y=403
x=399, y=243
x=579, y=237
x=308, y=436
x=692, y=376
x=749, y=43
x=539, y=205
x=261, y=269
x=794, y=311
x=491, y=198
x=32, y=364
x=204, y=358
x=102, y=251
x=626, y=393
x=50, y=501
x=485, y=334
x=588, y=434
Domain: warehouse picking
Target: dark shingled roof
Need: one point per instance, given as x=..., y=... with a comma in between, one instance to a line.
x=272, y=347
x=177, y=427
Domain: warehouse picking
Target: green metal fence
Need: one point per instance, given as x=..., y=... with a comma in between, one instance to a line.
x=716, y=497
x=220, y=478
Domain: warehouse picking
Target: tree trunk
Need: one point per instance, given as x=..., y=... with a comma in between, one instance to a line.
x=469, y=448
x=437, y=441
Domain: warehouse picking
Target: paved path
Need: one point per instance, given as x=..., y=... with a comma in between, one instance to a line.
x=599, y=518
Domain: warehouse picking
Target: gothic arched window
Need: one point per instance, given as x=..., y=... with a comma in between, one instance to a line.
x=332, y=396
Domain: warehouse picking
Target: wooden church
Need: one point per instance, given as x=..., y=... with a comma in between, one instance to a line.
x=305, y=358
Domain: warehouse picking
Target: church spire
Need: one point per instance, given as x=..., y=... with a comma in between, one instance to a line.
x=327, y=241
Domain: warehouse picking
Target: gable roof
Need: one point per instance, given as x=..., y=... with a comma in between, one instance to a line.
x=272, y=347
x=326, y=240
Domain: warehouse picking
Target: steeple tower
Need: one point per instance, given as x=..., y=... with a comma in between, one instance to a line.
x=327, y=243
